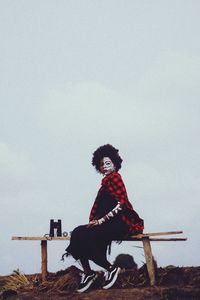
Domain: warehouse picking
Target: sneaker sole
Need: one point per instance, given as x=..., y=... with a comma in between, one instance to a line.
x=85, y=288
x=113, y=281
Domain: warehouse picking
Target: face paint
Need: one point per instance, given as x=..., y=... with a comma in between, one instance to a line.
x=106, y=166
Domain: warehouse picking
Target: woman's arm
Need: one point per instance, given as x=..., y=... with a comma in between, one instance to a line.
x=117, y=189
x=114, y=184
x=110, y=215
x=107, y=217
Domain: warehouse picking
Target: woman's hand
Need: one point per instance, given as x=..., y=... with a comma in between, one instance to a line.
x=96, y=222
x=93, y=223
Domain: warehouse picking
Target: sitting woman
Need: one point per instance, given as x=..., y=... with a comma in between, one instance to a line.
x=112, y=218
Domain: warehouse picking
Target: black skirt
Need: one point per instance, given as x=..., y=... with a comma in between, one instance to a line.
x=86, y=242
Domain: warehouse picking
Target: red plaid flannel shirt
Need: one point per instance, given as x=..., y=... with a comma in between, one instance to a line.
x=114, y=184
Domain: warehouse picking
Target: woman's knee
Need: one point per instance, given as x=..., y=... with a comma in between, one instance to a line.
x=79, y=232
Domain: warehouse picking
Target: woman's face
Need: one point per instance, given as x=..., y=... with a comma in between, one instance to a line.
x=106, y=166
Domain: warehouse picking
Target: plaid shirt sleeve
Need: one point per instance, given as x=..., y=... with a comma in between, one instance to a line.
x=116, y=187
x=95, y=205
x=114, y=184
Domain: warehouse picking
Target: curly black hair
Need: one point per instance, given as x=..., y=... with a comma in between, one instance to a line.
x=106, y=151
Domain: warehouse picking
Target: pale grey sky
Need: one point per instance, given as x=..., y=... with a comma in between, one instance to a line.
x=79, y=74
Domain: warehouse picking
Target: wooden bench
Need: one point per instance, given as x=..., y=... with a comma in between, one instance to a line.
x=146, y=239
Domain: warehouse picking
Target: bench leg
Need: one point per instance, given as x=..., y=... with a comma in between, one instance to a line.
x=149, y=260
x=44, y=260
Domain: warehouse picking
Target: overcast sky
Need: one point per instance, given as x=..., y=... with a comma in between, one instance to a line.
x=75, y=75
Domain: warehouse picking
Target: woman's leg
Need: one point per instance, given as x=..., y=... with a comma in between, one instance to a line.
x=102, y=262
x=90, y=243
x=86, y=266
x=100, y=257
x=87, y=244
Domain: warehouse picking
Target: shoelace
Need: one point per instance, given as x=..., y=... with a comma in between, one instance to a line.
x=106, y=275
x=84, y=276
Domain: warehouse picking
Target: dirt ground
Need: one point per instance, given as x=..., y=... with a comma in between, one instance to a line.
x=172, y=283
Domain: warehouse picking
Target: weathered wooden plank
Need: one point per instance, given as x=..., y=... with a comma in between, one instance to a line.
x=41, y=238
x=156, y=234
x=168, y=239
x=132, y=238
x=155, y=239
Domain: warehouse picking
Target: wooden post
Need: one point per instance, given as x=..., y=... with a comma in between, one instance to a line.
x=44, y=260
x=149, y=260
